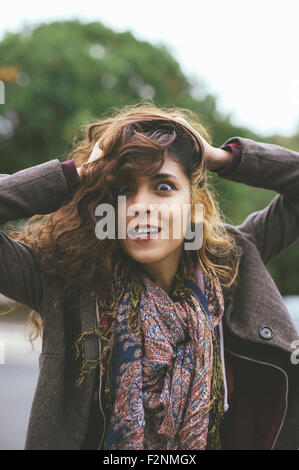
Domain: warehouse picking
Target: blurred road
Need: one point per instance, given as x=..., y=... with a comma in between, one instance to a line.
x=18, y=378
x=19, y=373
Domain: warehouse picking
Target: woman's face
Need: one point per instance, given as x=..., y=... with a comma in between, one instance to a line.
x=162, y=198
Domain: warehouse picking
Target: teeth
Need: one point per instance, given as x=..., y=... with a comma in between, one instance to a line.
x=142, y=234
x=145, y=231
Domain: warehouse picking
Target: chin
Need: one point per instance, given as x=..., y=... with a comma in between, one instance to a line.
x=144, y=257
x=147, y=254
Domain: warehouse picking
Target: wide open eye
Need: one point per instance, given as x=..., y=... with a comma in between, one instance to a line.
x=165, y=184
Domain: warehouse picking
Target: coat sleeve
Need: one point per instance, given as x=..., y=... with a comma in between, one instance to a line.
x=276, y=227
x=40, y=189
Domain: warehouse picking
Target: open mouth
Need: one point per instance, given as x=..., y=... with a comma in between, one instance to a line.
x=144, y=232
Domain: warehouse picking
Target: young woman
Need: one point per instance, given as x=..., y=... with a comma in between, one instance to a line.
x=148, y=343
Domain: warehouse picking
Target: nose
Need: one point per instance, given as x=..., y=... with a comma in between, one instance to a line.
x=142, y=196
x=141, y=201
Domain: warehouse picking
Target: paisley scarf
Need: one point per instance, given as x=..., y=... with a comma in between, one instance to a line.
x=160, y=362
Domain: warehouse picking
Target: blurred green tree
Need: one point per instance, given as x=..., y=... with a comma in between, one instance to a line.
x=60, y=75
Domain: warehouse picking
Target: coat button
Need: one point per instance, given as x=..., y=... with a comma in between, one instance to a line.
x=266, y=332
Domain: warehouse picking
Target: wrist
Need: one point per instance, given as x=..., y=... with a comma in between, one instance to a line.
x=223, y=158
x=71, y=173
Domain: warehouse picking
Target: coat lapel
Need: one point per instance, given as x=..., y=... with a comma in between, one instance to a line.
x=251, y=307
x=88, y=322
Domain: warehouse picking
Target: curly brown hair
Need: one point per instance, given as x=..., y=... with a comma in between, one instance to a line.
x=65, y=242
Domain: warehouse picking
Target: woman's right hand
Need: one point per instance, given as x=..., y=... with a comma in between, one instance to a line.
x=96, y=153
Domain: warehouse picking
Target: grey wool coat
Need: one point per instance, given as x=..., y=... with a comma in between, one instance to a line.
x=258, y=332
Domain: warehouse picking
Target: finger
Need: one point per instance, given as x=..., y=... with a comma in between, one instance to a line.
x=96, y=152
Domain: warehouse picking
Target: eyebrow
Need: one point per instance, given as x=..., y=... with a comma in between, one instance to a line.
x=162, y=175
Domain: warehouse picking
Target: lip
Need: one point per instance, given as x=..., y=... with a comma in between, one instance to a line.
x=149, y=237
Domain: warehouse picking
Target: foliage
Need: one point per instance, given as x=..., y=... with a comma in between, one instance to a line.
x=60, y=75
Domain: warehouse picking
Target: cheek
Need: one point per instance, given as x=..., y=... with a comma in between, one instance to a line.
x=179, y=218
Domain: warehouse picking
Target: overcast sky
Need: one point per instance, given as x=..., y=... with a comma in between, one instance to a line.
x=245, y=52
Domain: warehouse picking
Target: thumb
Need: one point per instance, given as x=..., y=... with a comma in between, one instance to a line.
x=96, y=152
